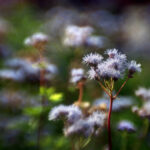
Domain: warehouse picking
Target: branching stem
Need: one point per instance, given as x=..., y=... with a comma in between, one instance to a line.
x=121, y=88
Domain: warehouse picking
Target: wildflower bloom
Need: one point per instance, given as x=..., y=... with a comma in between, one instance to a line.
x=96, y=41
x=119, y=104
x=79, y=128
x=126, y=126
x=144, y=110
x=36, y=39
x=77, y=75
x=143, y=93
x=71, y=113
x=92, y=59
x=133, y=67
x=113, y=67
x=86, y=126
x=107, y=72
x=76, y=35
x=28, y=70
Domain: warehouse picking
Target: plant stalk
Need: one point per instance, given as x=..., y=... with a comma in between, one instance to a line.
x=108, y=123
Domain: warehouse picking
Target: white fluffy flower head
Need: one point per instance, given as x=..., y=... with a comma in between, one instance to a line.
x=36, y=39
x=133, y=67
x=77, y=74
x=92, y=59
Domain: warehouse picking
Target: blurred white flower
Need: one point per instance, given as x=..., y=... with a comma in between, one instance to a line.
x=76, y=35
x=77, y=74
x=125, y=125
x=37, y=38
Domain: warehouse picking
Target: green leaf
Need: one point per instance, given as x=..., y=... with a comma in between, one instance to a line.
x=50, y=91
x=56, y=97
x=42, y=90
x=33, y=111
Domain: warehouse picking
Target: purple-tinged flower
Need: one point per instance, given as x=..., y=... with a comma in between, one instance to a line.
x=133, y=67
x=126, y=126
x=37, y=38
x=97, y=119
x=70, y=113
x=77, y=75
x=143, y=93
x=80, y=128
x=92, y=74
x=92, y=59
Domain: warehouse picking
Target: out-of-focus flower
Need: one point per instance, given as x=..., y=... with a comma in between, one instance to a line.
x=23, y=69
x=71, y=113
x=118, y=104
x=143, y=93
x=77, y=75
x=144, y=110
x=87, y=126
x=126, y=126
x=36, y=39
x=96, y=41
x=13, y=75
x=4, y=26
x=76, y=35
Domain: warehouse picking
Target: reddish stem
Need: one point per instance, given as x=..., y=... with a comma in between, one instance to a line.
x=80, y=86
x=108, y=123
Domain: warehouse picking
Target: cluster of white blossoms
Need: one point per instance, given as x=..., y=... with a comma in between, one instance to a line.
x=113, y=67
x=76, y=35
x=77, y=74
x=143, y=111
x=126, y=125
x=36, y=39
x=76, y=123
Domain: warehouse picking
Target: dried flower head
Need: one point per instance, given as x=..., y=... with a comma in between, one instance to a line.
x=126, y=126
